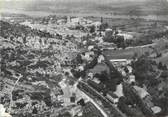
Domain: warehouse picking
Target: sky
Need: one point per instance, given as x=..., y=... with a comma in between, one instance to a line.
x=81, y=5
x=105, y=1
x=77, y=0
x=71, y=1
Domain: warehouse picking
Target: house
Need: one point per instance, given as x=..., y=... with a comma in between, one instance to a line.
x=156, y=109
x=112, y=97
x=122, y=62
x=97, y=25
x=81, y=68
x=106, y=46
x=61, y=21
x=97, y=81
x=91, y=47
x=97, y=86
x=131, y=79
x=122, y=72
x=126, y=36
x=130, y=69
x=100, y=59
x=141, y=92
x=87, y=56
x=76, y=111
x=81, y=102
x=119, y=90
x=147, y=99
x=76, y=20
x=99, y=68
x=166, y=27
x=90, y=75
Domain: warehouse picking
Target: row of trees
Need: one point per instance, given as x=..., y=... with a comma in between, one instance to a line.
x=16, y=30
x=152, y=75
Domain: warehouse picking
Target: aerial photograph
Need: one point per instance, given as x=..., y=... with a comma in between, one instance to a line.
x=83, y=58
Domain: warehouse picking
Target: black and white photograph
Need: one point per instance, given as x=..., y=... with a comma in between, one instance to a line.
x=83, y=58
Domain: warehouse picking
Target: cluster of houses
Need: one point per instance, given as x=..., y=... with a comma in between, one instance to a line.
x=123, y=66
x=93, y=62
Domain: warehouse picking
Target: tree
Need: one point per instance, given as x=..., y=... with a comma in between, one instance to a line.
x=135, y=55
x=1, y=85
x=92, y=29
x=144, y=69
x=101, y=19
x=65, y=114
x=79, y=59
x=24, y=40
x=160, y=66
x=120, y=42
x=104, y=26
x=165, y=67
x=103, y=77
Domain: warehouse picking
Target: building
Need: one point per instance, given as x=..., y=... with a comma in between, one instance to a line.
x=166, y=27
x=126, y=36
x=141, y=92
x=107, y=46
x=61, y=21
x=120, y=62
x=131, y=79
x=112, y=97
x=144, y=101
x=97, y=25
x=119, y=90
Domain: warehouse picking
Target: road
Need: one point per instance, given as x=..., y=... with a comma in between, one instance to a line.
x=96, y=105
x=111, y=107
x=80, y=94
x=143, y=46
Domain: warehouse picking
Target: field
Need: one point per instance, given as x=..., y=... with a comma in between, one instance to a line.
x=138, y=27
x=159, y=46
x=163, y=59
x=127, y=53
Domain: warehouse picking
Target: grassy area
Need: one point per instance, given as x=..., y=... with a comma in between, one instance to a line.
x=127, y=53
x=141, y=27
x=159, y=45
x=163, y=59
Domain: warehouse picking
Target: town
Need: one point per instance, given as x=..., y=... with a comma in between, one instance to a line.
x=67, y=66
